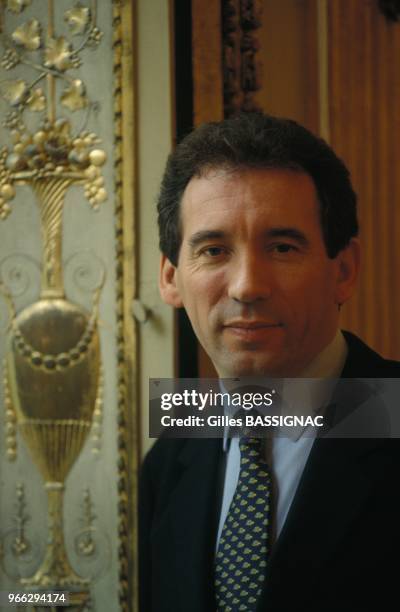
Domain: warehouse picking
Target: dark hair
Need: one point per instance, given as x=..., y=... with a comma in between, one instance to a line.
x=255, y=140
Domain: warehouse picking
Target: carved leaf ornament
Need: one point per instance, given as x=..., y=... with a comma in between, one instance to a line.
x=17, y=6
x=58, y=54
x=74, y=97
x=28, y=35
x=14, y=91
x=77, y=19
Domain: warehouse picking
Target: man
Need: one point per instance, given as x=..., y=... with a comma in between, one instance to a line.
x=258, y=233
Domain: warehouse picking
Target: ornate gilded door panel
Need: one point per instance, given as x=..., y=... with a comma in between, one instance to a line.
x=68, y=443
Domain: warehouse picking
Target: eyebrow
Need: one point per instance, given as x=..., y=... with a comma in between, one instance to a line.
x=203, y=235
x=288, y=232
x=276, y=232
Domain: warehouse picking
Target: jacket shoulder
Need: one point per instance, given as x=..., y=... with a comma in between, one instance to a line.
x=363, y=362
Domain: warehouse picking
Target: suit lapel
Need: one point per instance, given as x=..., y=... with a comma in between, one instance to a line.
x=333, y=489
x=192, y=522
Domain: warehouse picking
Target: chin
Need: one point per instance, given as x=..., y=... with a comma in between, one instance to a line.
x=252, y=367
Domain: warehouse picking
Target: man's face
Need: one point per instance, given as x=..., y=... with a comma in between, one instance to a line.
x=253, y=273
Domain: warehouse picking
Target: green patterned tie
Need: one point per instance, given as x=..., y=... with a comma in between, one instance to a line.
x=241, y=559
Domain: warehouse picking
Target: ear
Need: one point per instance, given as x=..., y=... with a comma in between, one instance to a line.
x=348, y=262
x=167, y=283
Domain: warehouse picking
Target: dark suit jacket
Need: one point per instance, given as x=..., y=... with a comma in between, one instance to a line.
x=339, y=549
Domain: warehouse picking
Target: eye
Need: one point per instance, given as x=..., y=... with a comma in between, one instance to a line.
x=213, y=251
x=284, y=248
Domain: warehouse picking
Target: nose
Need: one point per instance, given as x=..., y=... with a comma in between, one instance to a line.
x=250, y=280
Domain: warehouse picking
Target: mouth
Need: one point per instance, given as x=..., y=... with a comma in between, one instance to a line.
x=242, y=324
x=251, y=331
